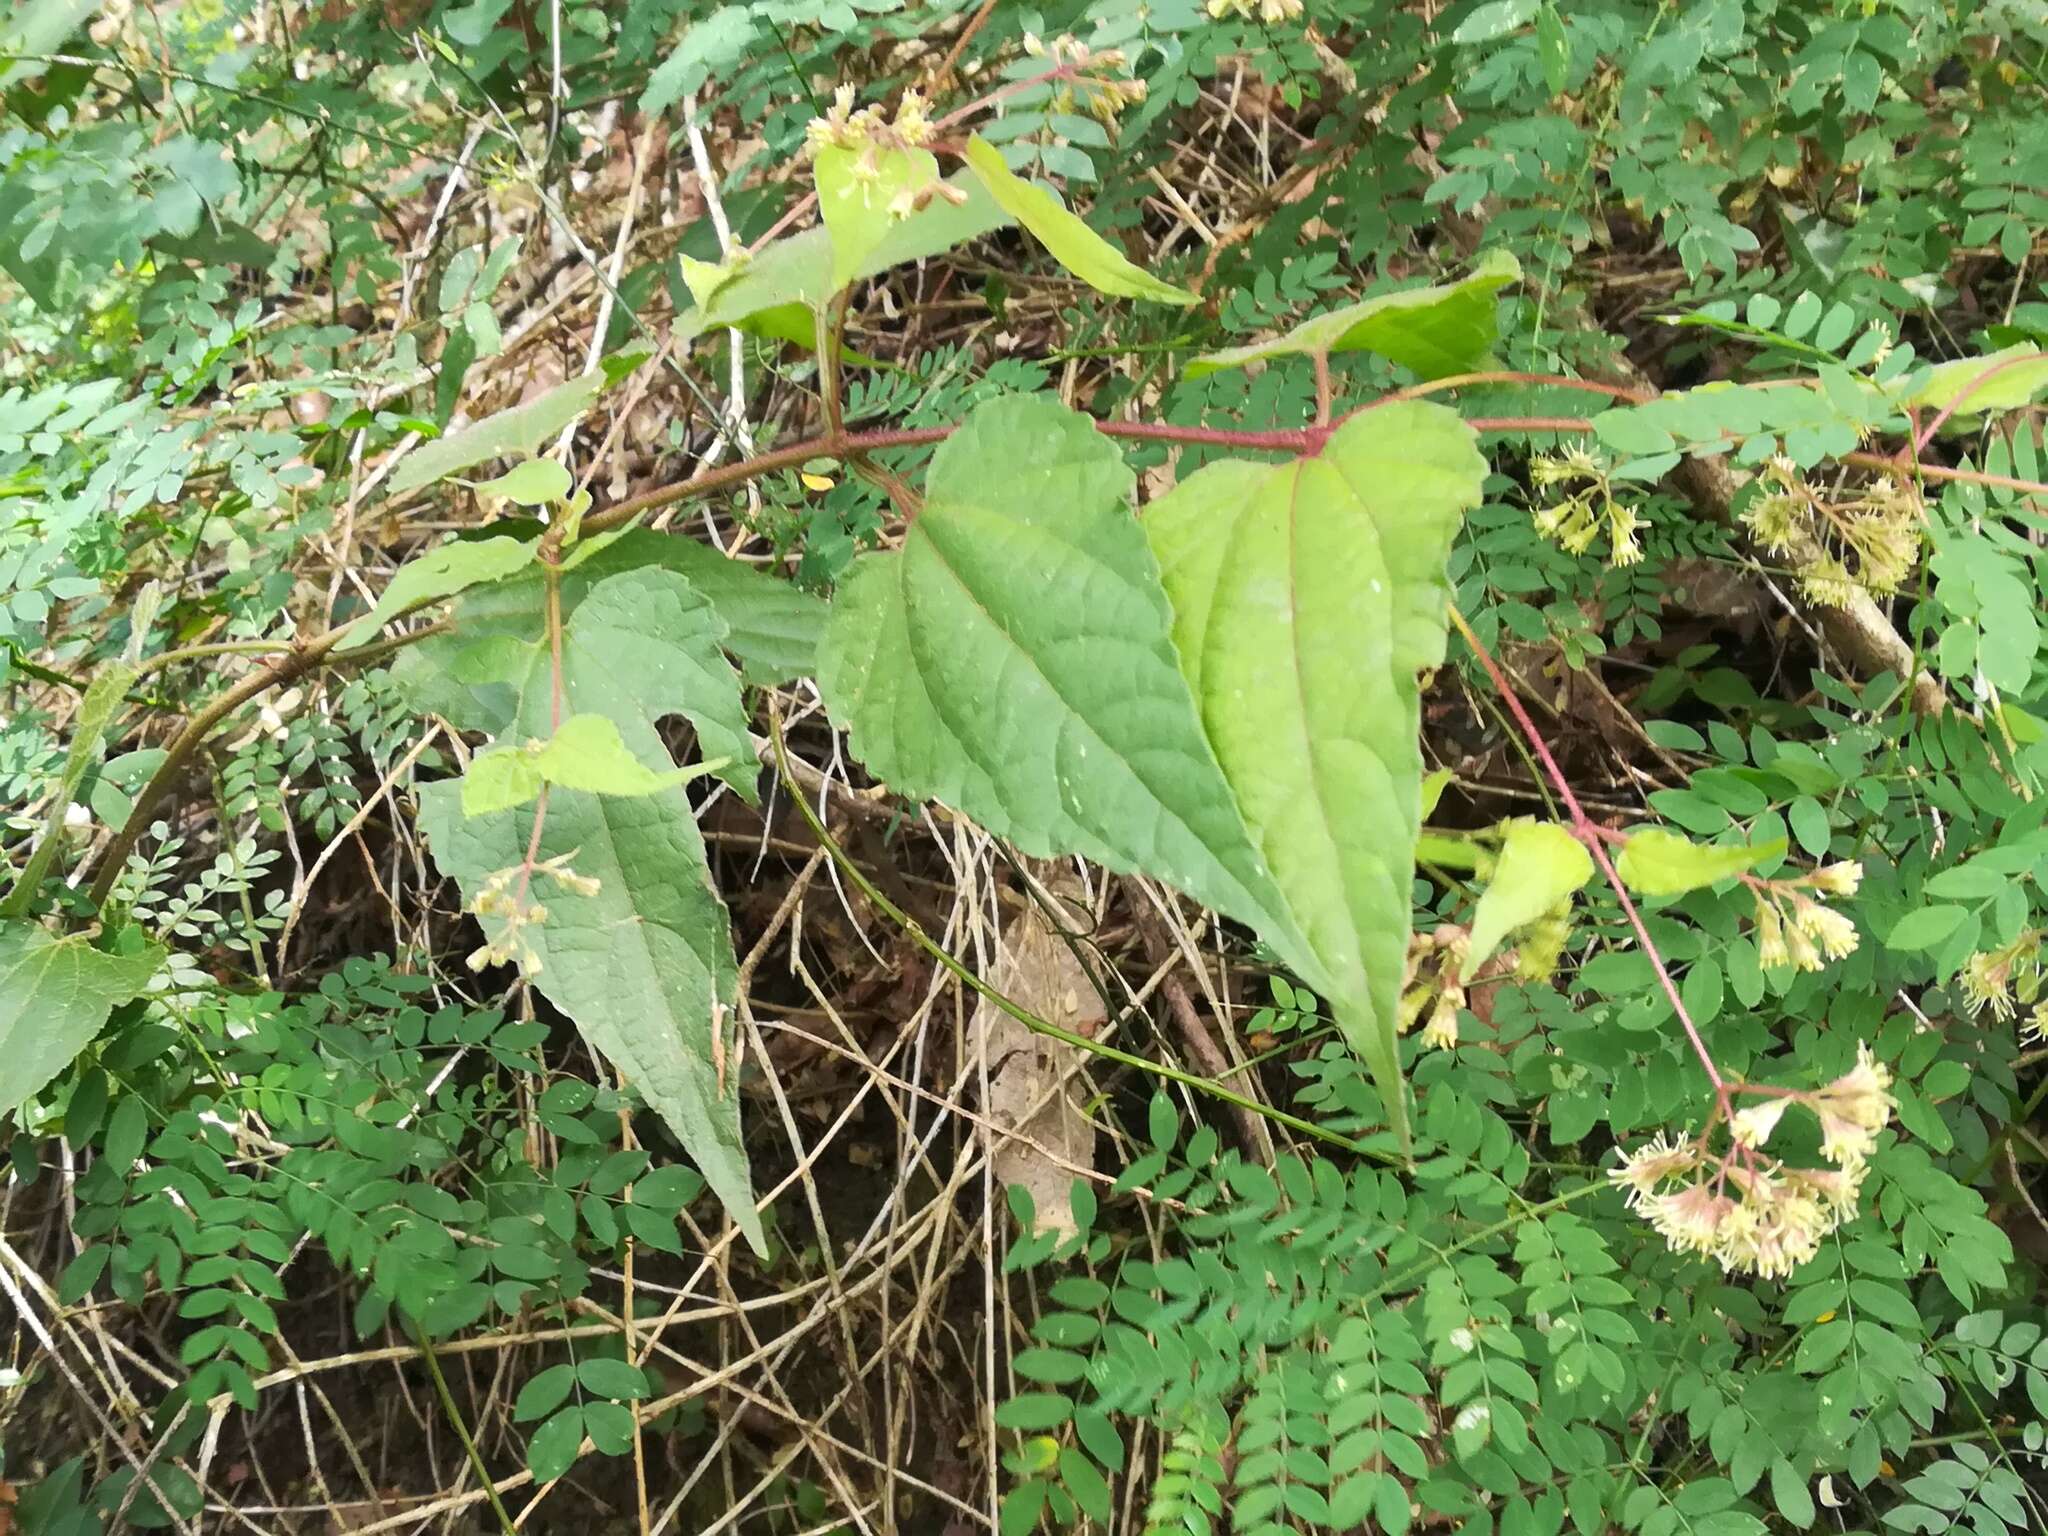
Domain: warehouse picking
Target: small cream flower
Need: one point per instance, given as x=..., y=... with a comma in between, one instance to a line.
x=1854, y=1108
x=1832, y=930
x=1441, y=1032
x=1837, y=879
x=1770, y=936
x=1693, y=1219
x=1653, y=1163
x=1752, y=1127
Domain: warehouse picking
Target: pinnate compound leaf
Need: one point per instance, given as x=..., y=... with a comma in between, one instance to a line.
x=862, y=193
x=1306, y=598
x=1073, y=244
x=1435, y=332
x=586, y=753
x=521, y=430
x=1540, y=865
x=1014, y=659
x=55, y=993
x=441, y=573
x=1659, y=862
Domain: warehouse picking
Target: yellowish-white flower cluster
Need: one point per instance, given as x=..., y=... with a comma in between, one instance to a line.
x=844, y=128
x=1792, y=928
x=1880, y=525
x=504, y=898
x=1745, y=1211
x=1270, y=12
x=1576, y=517
x=1999, y=979
x=1442, y=953
x=1106, y=96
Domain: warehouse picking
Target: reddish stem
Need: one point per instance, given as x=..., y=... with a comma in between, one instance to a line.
x=1588, y=832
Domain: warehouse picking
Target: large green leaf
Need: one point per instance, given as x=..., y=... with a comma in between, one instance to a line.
x=54, y=996
x=798, y=270
x=1436, y=331
x=1306, y=598
x=771, y=626
x=1073, y=244
x=1014, y=660
x=523, y=429
x=642, y=964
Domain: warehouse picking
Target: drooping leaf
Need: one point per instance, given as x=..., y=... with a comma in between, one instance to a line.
x=798, y=270
x=1659, y=862
x=523, y=429
x=1014, y=660
x=1073, y=244
x=55, y=993
x=96, y=712
x=1435, y=331
x=585, y=753
x=644, y=966
x=439, y=573
x=1306, y=598
x=862, y=194
x=1540, y=865
x=533, y=483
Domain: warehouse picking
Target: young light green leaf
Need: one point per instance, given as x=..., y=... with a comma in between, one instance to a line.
x=1540, y=865
x=2004, y=381
x=533, y=483
x=585, y=753
x=795, y=274
x=439, y=573
x=1435, y=331
x=1073, y=244
x=862, y=193
x=54, y=996
x=1015, y=660
x=1306, y=598
x=523, y=429
x=102, y=701
x=1659, y=862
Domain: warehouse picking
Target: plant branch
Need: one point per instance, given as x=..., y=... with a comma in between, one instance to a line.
x=1588, y=833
